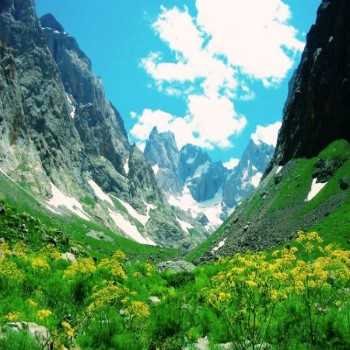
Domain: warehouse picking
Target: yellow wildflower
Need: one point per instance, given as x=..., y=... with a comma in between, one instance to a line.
x=12, y=316
x=119, y=255
x=68, y=329
x=40, y=263
x=251, y=284
x=81, y=266
x=43, y=314
x=138, y=310
x=32, y=303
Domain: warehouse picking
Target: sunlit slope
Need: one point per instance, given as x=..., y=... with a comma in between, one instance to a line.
x=304, y=194
x=24, y=210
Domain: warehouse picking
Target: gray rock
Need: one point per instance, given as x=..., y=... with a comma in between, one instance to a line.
x=203, y=344
x=39, y=333
x=70, y=257
x=176, y=266
x=154, y=300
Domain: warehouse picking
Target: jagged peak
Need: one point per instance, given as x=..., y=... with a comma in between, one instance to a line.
x=50, y=21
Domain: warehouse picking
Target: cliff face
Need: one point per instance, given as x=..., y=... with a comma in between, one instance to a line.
x=65, y=142
x=317, y=110
x=99, y=124
x=34, y=113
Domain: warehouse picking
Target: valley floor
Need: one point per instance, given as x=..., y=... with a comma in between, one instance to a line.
x=294, y=297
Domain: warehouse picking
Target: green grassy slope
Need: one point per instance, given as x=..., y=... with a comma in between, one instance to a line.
x=274, y=213
x=20, y=201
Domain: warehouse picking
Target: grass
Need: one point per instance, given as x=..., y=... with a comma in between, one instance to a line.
x=291, y=298
x=76, y=229
x=202, y=248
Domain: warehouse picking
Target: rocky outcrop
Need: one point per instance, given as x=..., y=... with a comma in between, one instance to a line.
x=162, y=153
x=245, y=178
x=34, y=113
x=97, y=121
x=317, y=110
x=207, y=180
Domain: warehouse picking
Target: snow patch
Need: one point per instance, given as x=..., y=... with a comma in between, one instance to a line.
x=59, y=199
x=155, y=169
x=143, y=219
x=126, y=166
x=190, y=160
x=71, y=106
x=316, y=188
x=219, y=246
x=231, y=164
x=212, y=209
x=99, y=192
x=255, y=180
x=129, y=229
x=185, y=226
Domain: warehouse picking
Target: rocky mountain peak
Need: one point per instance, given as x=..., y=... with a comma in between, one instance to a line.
x=49, y=21
x=191, y=157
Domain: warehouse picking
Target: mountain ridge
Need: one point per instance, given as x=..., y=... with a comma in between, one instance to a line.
x=66, y=143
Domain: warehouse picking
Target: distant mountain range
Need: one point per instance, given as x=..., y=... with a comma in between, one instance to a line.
x=205, y=188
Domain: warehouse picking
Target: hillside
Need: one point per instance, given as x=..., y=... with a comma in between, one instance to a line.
x=65, y=142
x=306, y=186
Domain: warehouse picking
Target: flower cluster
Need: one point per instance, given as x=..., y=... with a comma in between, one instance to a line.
x=83, y=266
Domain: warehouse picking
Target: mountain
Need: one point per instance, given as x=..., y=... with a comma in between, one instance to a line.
x=245, y=178
x=63, y=142
x=316, y=112
x=162, y=153
x=307, y=184
x=205, y=188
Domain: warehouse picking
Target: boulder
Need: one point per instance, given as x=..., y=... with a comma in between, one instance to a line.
x=203, y=344
x=70, y=257
x=176, y=266
x=39, y=333
x=154, y=300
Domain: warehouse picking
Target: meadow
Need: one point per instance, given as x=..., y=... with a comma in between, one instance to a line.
x=293, y=297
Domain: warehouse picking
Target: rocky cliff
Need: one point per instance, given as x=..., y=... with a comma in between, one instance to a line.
x=65, y=142
x=317, y=110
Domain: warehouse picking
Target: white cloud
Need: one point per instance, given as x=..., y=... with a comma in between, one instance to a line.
x=254, y=35
x=215, y=54
x=267, y=134
x=201, y=128
x=231, y=164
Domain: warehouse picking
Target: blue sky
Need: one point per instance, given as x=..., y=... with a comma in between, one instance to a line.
x=140, y=47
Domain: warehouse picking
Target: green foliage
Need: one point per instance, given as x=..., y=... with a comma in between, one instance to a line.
x=18, y=341
x=291, y=298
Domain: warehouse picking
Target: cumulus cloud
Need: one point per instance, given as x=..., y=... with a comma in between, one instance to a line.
x=231, y=164
x=254, y=35
x=267, y=134
x=215, y=53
